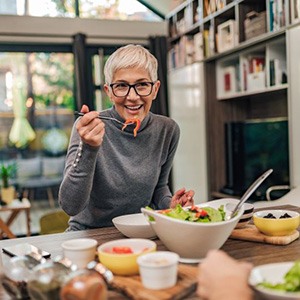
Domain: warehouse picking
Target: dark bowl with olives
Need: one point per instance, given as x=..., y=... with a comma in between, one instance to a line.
x=276, y=222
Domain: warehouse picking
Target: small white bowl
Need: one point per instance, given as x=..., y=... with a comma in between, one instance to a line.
x=158, y=270
x=134, y=226
x=273, y=273
x=80, y=251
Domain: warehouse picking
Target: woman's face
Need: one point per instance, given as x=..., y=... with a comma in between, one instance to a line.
x=132, y=105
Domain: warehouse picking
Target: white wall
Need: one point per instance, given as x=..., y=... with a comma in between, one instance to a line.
x=293, y=48
x=61, y=30
x=187, y=108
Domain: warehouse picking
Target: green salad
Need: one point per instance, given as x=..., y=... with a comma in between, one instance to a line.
x=195, y=213
x=291, y=280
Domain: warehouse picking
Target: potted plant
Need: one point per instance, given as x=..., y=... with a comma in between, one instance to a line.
x=7, y=190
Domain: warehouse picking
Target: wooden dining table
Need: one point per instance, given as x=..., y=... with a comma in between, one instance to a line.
x=254, y=252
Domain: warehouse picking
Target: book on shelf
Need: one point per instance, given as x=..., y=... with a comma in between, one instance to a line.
x=244, y=70
x=188, y=16
x=256, y=79
x=211, y=40
x=198, y=46
x=206, y=8
x=210, y=6
x=229, y=79
x=252, y=70
x=220, y=4
x=208, y=41
x=277, y=72
x=227, y=35
x=256, y=63
x=295, y=10
x=189, y=50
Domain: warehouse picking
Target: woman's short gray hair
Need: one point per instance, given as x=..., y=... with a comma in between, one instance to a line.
x=130, y=56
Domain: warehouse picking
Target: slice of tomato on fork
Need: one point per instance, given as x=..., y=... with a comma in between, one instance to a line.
x=132, y=121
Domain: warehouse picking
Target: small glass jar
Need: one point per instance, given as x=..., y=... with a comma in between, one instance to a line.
x=47, y=279
x=16, y=273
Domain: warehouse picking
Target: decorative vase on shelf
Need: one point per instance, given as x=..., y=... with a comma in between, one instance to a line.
x=7, y=191
x=8, y=194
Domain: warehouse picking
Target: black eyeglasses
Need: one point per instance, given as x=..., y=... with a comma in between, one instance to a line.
x=122, y=89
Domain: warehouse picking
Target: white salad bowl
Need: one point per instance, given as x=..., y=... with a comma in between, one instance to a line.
x=192, y=240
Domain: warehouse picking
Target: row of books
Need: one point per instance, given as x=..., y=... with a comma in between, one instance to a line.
x=191, y=49
x=277, y=14
x=204, y=44
x=249, y=74
x=183, y=22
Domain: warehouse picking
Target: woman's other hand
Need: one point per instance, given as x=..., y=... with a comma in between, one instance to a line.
x=222, y=277
x=183, y=197
x=90, y=128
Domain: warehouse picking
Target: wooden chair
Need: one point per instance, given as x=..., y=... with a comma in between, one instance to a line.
x=291, y=198
x=54, y=222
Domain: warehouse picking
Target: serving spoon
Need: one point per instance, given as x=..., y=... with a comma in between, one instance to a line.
x=248, y=193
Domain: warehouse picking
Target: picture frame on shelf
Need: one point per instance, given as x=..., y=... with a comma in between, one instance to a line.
x=227, y=35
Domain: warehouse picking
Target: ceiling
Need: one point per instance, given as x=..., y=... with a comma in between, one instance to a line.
x=162, y=7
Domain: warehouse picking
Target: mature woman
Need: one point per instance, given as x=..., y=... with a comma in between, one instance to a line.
x=112, y=171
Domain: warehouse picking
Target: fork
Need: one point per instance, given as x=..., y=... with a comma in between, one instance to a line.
x=77, y=113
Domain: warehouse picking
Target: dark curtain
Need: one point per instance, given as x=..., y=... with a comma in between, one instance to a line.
x=81, y=72
x=158, y=47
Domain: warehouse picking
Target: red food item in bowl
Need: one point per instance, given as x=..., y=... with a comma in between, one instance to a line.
x=120, y=250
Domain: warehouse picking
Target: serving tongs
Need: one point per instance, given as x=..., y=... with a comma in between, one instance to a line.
x=77, y=113
x=248, y=193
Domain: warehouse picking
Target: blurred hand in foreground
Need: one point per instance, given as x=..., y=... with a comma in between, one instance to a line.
x=222, y=277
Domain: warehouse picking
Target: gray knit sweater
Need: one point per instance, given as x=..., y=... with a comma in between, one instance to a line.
x=122, y=175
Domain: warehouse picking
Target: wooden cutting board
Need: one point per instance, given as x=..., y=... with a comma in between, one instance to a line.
x=251, y=233
x=132, y=286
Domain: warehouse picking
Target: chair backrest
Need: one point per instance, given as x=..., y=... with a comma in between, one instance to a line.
x=53, y=166
x=54, y=222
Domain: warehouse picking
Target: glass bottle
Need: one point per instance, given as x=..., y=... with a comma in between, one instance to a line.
x=16, y=273
x=89, y=283
x=46, y=279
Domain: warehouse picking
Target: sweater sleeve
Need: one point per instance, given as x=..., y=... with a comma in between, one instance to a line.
x=75, y=189
x=162, y=194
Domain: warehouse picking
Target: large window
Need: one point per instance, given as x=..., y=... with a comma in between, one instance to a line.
x=39, y=86
x=100, y=9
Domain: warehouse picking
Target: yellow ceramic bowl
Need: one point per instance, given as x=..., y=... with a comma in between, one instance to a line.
x=111, y=256
x=278, y=226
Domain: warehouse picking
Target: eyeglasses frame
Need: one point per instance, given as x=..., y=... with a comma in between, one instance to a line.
x=132, y=86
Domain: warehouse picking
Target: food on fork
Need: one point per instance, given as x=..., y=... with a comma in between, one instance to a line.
x=132, y=121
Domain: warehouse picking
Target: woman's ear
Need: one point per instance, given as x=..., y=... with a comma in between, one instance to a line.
x=156, y=89
x=106, y=89
x=108, y=92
